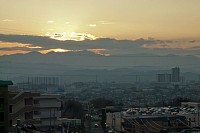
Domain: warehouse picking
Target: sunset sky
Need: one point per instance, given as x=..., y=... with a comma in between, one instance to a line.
x=122, y=19
x=92, y=19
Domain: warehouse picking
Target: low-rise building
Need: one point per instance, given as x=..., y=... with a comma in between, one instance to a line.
x=34, y=108
x=4, y=108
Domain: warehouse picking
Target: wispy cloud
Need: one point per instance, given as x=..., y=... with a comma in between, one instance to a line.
x=50, y=21
x=99, y=51
x=11, y=46
x=8, y=20
x=106, y=22
x=181, y=44
x=55, y=50
x=67, y=22
x=81, y=36
x=92, y=25
x=63, y=36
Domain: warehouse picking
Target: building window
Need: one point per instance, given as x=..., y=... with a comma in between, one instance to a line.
x=10, y=123
x=1, y=116
x=28, y=115
x=1, y=129
x=1, y=103
x=37, y=113
x=28, y=101
x=36, y=101
x=10, y=108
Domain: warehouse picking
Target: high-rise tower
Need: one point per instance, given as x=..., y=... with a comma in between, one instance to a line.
x=175, y=74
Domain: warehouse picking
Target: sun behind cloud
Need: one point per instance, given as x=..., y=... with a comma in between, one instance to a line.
x=57, y=50
x=62, y=36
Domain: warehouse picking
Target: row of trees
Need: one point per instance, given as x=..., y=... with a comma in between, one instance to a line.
x=74, y=109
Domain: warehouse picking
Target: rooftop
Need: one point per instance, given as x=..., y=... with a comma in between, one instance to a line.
x=157, y=117
x=5, y=83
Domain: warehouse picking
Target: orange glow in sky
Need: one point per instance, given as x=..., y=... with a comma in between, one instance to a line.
x=127, y=19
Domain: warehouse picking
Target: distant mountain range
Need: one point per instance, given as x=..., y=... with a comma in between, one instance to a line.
x=91, y=64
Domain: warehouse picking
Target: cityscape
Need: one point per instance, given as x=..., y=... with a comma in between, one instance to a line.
x=100, y=66
x=43, y=104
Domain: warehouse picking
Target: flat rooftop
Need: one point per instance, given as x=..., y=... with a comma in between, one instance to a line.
x=5, y=83
x=156, y=117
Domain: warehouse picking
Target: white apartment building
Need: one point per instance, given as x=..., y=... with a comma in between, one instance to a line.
x=49, y=110
x=42, y=110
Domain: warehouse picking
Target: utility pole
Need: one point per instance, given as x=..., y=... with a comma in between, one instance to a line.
x=198, y=115
x=18, y=125
x=114, y=121
x=54, y=120
x=50, y=122
x=121, y=122
x=88, y=117
x=62, y=128
x=132, y=128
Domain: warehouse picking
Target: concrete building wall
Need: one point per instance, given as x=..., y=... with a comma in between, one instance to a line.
x=44, y=109
x=47, y=102
x=53, y=112
x=4, y=106
x=18, y=106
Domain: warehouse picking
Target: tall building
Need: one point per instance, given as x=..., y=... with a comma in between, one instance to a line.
x=164, y=78
x=175, y=74
x=4, y=94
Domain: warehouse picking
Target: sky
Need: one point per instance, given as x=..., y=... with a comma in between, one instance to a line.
x=174, y=22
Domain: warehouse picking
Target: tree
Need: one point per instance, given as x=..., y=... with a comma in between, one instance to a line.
x=73, y=109
x=177, y=101
x=102, y=103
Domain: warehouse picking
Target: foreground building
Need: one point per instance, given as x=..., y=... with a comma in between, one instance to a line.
x=31, y=111
x=42, y=110
x=4, y=119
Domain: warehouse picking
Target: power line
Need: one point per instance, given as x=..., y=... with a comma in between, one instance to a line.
x=147, y=126
x=157, y=124
x=184, y=123
x=152, y=125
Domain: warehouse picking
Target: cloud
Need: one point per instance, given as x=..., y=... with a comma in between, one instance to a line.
x=99, y=51
x=56, y=50
x=9, y=46
x=49, y=42
x=181, y=44
x=57, y=36
x=92, y=25
x=67, y=22
x=102, y=46
x=50, y=21
x=63, y=36
x=8, y=20
x=106, y=22
x=10, y=52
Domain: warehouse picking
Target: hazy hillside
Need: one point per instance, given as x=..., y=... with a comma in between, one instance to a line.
x=75, y=66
